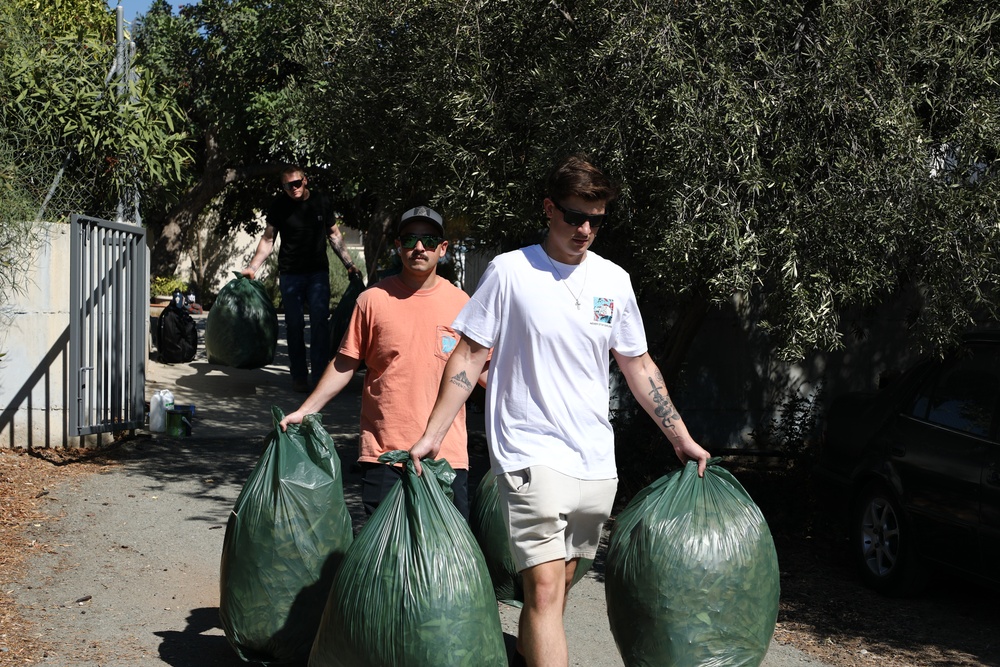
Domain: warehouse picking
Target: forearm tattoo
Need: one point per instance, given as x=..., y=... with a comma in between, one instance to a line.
x=337, y=243
x=461, y=380
x=665, y=409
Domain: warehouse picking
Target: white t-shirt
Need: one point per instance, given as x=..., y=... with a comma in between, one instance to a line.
x=547, y=392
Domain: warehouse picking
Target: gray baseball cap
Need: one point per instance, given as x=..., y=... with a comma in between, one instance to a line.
x=422, y=213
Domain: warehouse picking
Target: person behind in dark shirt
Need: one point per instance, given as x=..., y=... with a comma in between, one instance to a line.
x=305, y=222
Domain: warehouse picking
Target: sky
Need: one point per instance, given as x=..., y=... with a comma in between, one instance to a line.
x=132, y=7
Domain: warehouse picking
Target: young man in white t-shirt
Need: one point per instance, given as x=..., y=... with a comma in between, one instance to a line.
x=554, y=314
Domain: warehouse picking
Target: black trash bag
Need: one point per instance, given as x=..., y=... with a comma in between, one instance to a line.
x=340, y=319
x=242, y=326
x=692, y=574
x=176, y=335
x=285, y=539
x=487, y=525
x=413, y=590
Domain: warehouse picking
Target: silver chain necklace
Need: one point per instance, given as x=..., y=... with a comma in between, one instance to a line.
x=576, y=297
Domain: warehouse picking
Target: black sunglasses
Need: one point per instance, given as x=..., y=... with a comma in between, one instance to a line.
x=292, y=185
x=430, y=242
x=577, y=218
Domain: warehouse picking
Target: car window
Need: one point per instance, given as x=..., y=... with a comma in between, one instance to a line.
x=963, y=395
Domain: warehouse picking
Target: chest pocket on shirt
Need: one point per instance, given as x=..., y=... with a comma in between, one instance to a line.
x=445, y=342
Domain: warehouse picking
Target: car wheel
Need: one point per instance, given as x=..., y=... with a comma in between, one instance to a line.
x=883, y=543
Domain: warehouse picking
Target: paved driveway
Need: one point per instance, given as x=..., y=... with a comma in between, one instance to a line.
x=233, y=405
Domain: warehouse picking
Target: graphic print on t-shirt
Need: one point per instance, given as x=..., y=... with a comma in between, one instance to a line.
x=604, y=309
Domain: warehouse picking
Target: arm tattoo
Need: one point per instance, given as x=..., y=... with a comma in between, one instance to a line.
x=461, y=380
x=337, y=243
x=664, y=407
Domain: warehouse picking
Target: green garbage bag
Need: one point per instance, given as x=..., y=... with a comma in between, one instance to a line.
x=242, y=326
x=413, y=590
x=487, y=525
x=286, y=536
x=692, y=574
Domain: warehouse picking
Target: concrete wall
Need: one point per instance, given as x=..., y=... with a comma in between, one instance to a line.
x=34, y=334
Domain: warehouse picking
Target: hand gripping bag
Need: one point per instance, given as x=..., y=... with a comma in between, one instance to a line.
x=487, y=525
x=692, y=574
x=286, y=536
x=413, y=590
x=242, y=326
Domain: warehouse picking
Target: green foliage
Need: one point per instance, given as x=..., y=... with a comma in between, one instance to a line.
x=61, y=110
x=166, y=286
x=808, y=156
x=18, y=238
x=338, y=275
x=225, y=63
x=793, y=427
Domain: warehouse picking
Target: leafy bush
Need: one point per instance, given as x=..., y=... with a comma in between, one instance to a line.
x=338, y=275
x=166, y=285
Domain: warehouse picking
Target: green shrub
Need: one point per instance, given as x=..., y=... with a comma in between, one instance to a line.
x=338, y=275
x=166, y=286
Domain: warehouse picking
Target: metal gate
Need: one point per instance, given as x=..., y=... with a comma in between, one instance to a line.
x=108, y=318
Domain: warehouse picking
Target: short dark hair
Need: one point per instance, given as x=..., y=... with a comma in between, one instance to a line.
x=576, y=175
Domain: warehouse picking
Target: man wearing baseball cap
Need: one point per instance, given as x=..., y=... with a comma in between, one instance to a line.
x=401, y=329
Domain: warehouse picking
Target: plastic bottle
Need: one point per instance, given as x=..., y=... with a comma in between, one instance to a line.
x=157, y=414
x=168, y=400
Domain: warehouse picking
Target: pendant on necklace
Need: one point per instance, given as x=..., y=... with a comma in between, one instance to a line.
x=576, y=297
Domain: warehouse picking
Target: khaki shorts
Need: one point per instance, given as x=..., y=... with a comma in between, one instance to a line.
x=551, y=516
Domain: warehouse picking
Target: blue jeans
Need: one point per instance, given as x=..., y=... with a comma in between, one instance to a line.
x=313, y=290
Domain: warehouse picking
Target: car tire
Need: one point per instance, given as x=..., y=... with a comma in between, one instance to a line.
x=884, y=543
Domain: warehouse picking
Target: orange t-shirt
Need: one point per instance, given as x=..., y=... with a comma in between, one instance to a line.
x=404, y=336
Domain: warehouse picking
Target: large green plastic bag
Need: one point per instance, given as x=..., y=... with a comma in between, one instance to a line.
x=692, y=574
x=413, y=590
x=242, y=326
x=286, y=536
x=487, y=524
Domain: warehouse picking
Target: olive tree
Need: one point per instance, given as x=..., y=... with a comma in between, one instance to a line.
x=74, y=137
x=225, y=63
x=807, y=156
x=69, y=118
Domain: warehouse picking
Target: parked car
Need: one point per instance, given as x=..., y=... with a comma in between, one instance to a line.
x=916, y=469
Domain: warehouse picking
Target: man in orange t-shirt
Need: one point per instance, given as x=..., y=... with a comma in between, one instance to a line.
x=401, y=329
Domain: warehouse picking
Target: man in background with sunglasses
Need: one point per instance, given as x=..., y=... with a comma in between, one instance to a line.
x=401, y=329
x=556, y=313
x=306, y=223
